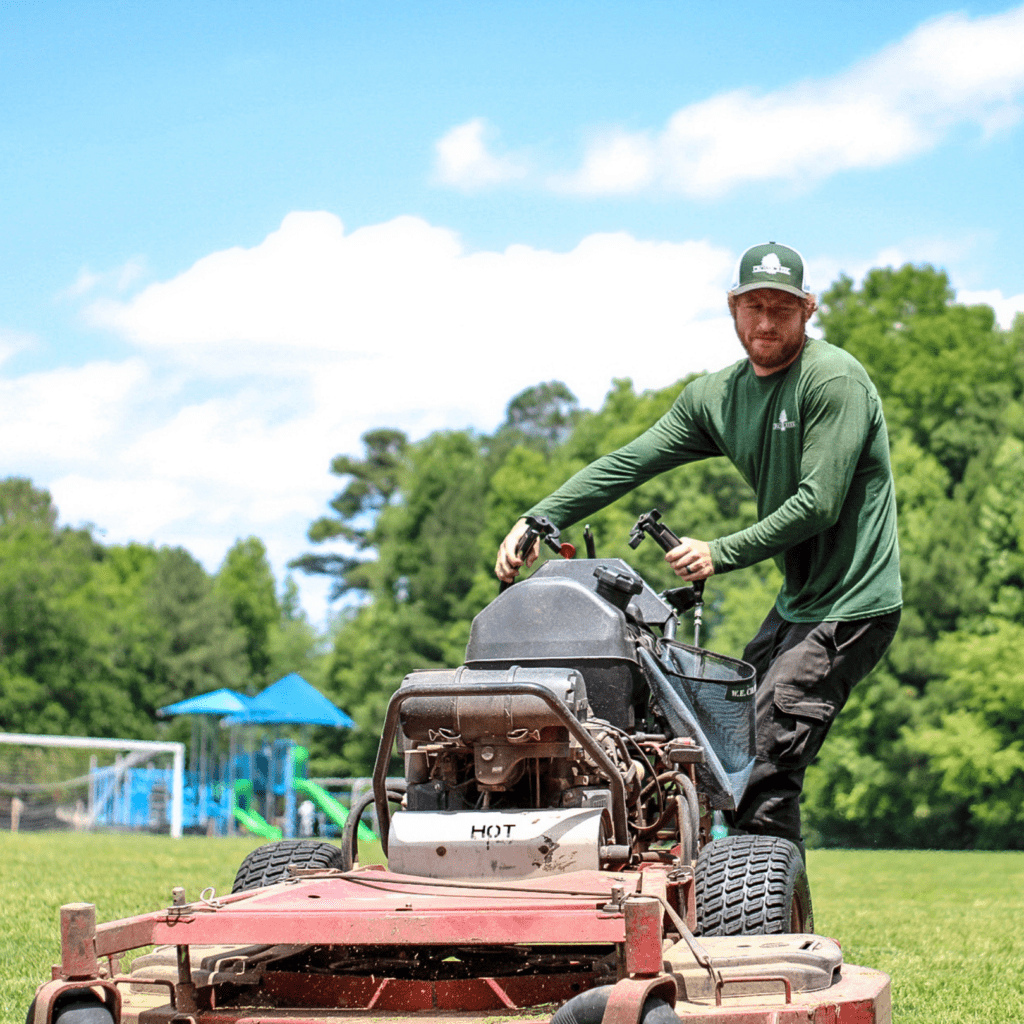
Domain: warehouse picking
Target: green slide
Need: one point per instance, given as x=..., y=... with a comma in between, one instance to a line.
x=252, y=820
x=338, y=813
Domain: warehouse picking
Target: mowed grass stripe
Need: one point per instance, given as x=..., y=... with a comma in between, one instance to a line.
x=948, y=927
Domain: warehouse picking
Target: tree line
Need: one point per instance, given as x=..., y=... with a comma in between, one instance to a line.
x=94, y=638
x=928, y=753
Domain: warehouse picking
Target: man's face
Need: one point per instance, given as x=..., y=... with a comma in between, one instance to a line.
x=770, y=324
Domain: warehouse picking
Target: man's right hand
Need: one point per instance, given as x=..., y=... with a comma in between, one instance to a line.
x=509, y=563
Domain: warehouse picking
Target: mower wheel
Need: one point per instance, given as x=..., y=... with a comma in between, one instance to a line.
x=268, y=864
x=80, y=1006
x=752, y=885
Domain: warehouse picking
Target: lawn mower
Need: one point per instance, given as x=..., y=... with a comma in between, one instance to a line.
x=550, y=851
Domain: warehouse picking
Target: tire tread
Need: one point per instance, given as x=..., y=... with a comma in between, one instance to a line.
x=746, y=885
x=268, y=864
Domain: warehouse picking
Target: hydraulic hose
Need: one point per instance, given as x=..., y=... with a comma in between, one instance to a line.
x=588, y=1008
x=350, y=833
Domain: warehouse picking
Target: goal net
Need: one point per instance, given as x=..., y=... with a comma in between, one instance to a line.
x=73, y=782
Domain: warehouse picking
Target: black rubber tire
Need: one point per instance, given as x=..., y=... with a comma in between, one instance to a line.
x=752, y=885
x=80, y=1006
x=87, y=1009
x=268, y=864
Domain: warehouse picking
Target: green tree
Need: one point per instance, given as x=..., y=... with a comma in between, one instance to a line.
x=541, y=417
x=247, y=582
x=199, y=646
x=73, y=656
x=372, y=483
x=24, y=504
x=419, y=612
x=945, y=372
x=924, y=754
x=908, y=763
x=295, y=645
x=970, y=744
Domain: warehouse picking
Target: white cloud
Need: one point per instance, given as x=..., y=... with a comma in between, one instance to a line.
x=462, y=158
x=903, y=101
x=120, y=279
x=396, y=322
x=13, y=342
x=1006, y=309
x=936, y=251
x=255, y=366
x=138, y=507
x=68, y=414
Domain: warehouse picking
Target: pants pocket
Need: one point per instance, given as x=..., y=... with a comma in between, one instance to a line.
x=799, y=698
x=800, y=722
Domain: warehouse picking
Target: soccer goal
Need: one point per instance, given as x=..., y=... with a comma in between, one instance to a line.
x=78, y=782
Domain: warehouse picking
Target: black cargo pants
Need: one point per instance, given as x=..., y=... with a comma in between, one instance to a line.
x=805, y=672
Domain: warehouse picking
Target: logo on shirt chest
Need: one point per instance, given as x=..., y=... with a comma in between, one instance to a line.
x=784, y=423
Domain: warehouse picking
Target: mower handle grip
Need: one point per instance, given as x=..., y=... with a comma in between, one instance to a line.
x=539, y=527
x=650, y=522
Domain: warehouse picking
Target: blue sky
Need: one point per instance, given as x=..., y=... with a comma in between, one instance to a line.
x=236, y=236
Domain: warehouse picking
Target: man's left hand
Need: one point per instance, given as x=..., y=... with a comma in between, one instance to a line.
x=691, y=560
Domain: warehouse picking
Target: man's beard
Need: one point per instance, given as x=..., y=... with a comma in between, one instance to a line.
x=774, y=353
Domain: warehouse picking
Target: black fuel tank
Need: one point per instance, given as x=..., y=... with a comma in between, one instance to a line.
x=556, y=618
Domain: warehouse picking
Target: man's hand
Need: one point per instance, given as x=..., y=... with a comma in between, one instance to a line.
x=691, y=560
x=509, y=563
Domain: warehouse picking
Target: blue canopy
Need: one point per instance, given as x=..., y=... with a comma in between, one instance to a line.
x=217, y=702
x=291, y=701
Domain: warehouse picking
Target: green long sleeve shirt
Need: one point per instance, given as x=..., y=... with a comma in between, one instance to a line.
x=812, y=443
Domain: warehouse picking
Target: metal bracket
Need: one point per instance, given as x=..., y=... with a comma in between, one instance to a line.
x=627, y=998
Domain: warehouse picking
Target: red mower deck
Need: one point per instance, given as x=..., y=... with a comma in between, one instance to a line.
x=397, y=947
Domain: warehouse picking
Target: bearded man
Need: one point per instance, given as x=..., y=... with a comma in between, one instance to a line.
x=802, y=422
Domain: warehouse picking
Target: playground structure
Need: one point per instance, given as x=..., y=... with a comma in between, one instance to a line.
x=260, y=781
x=245, y=770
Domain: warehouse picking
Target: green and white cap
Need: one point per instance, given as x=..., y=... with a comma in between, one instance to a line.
x=770, y=265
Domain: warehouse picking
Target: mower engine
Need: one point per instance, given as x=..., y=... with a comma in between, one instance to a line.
x=543, y=753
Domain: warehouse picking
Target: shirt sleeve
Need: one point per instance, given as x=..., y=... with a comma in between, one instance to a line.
x=675, y=439
x=837, y=418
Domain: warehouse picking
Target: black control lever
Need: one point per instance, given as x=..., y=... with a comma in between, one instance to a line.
x=540, y=527
x=681, y=598
x=650, y=522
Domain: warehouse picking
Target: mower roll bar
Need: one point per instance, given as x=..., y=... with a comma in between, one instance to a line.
x=477, y=689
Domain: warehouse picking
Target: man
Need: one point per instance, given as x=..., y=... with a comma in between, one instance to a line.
x=802, y=422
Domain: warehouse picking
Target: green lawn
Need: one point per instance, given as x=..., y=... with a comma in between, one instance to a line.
x=948, y=927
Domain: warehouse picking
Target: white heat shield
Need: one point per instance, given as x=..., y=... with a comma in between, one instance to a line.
x=496, y=844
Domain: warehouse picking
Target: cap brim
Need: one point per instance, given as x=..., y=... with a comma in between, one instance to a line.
x=779, y=287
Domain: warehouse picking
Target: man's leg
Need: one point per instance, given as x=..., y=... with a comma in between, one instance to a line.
x=805, y=672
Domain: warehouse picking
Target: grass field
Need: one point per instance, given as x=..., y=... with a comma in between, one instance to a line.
x=948, y=927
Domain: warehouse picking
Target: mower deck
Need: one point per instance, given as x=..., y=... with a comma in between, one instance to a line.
x=373, y=945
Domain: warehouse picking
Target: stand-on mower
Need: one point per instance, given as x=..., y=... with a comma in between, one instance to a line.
x=551, y=857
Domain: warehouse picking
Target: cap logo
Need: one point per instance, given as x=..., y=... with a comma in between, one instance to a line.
x=770, y=264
